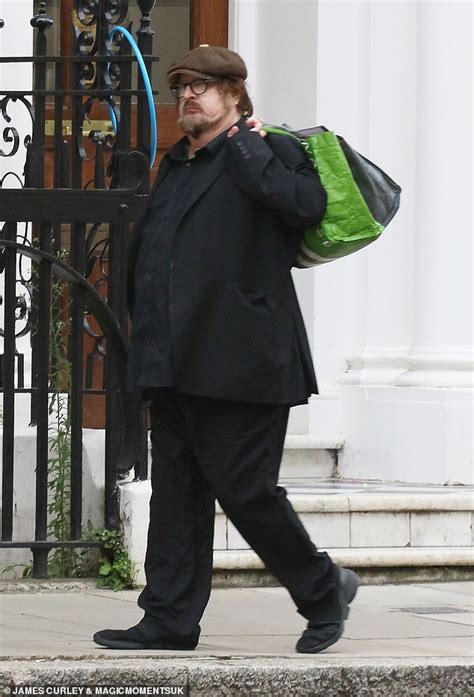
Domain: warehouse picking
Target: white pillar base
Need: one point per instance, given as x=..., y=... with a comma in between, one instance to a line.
x=375, y=366
x=408, y=434
x=431, y=368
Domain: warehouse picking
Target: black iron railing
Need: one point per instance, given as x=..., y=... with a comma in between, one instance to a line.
x=77, y=198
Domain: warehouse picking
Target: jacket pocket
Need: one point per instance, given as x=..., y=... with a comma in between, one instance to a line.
x=255, y=299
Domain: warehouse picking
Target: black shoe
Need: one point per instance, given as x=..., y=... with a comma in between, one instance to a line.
x=320, y=635
x=141, y=637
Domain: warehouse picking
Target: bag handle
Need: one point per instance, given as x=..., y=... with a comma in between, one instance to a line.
x=285, y=130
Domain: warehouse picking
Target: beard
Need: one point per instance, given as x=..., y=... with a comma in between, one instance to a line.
x=197, y=123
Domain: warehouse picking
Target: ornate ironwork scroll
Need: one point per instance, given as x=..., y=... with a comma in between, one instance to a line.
x=78, y=192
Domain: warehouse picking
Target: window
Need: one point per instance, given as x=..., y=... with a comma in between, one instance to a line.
x=170, y=23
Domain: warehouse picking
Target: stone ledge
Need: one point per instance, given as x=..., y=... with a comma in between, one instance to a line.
x=370, y=576
x=257, y=578
x=309, y=442
x=252, y=675
x=360, y=557
x=366, y=503
x=48, y=585
x=411, y=502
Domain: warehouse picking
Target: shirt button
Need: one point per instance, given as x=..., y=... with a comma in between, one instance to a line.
x=188, y=164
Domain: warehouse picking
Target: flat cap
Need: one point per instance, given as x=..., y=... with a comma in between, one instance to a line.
x=208, y=61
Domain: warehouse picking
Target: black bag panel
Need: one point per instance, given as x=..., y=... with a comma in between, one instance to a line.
x=379, y=191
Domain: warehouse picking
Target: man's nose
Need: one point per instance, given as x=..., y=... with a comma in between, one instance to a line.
x=187, y=91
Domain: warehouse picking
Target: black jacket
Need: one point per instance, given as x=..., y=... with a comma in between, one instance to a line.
x=236, y=329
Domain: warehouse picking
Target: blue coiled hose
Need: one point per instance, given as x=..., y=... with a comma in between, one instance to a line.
x=149, y=91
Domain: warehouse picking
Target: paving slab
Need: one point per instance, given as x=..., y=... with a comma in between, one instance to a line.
x=245, y=621
x=461, y=588
x=247, y=643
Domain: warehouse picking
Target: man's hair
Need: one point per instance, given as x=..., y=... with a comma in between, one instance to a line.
x=237, y=87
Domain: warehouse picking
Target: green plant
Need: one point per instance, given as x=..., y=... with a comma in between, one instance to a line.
x=27, y=569
x=62, y=562
x=116, y=569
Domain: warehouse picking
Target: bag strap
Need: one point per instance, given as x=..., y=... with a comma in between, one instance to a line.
x=300, y=136
x=280, y=131
x=285, y=130
x=306, y=132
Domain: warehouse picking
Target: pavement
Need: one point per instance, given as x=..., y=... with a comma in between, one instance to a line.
x=409, y=638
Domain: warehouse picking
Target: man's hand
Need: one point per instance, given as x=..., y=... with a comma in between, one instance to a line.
x=254, y=124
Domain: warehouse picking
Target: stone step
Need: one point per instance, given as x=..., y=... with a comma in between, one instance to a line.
x=371, y=526
x=370, y=516
x=310, y=456
x=243, y=568
x=387, y=532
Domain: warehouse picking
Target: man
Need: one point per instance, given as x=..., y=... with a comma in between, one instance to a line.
x=219, y=347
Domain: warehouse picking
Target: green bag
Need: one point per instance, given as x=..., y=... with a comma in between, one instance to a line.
x=361, y=198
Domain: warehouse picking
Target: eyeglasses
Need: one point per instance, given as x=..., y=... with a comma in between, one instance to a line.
x=198, y=86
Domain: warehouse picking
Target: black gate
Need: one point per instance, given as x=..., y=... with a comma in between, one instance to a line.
x=63, y=257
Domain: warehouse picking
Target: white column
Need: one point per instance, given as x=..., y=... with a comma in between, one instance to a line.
x=442, y=354
x=367, y=93
x=408, y=414
x=342, y=86
x=389, y=138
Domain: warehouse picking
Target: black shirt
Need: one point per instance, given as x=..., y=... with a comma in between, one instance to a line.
x=154, y=268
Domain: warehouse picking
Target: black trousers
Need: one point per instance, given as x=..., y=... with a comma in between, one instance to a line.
x=203, y=449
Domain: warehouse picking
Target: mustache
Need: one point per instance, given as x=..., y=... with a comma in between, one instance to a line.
x=191, y=105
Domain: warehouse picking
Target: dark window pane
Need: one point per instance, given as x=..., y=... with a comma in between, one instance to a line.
x=52, y=37
x=170, y=22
